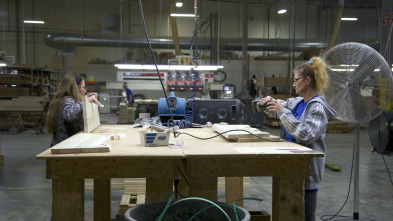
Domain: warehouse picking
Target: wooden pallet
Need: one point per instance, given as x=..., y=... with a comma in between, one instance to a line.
x=128, y=201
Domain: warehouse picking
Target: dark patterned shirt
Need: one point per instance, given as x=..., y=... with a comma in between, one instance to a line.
x=69, y=120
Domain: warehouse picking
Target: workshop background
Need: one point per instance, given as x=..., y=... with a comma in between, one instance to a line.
x=43, y=40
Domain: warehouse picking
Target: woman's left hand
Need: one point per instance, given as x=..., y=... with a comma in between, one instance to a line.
x=274, y=106
x=93, y=99
x=93, y=94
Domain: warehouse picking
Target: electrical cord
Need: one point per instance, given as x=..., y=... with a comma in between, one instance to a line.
x=379, y=135
x=387, y=169
x=349, y=190
x=154, y=58
x=207, y=138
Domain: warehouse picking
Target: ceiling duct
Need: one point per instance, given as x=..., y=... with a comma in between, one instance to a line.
x=67, y=42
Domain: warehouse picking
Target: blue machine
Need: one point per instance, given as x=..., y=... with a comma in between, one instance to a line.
x=177, y=105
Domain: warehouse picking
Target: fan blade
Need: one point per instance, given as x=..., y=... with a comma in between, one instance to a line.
x=362, y=71
x=337, y=79
x=357, y=103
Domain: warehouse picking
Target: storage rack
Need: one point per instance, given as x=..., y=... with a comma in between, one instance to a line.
x=19, y=81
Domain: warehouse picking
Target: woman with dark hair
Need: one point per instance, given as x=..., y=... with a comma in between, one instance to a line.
x=65, y=114
x=305, y=119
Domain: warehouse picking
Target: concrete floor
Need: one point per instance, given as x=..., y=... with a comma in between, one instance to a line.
x=25, y=194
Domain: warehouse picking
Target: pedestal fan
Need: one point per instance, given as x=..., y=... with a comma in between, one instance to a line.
x=360, y=89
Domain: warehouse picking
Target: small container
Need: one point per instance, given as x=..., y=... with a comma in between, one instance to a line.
x=153, y=138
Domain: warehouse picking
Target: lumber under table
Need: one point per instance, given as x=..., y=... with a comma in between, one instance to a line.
x=201, y=161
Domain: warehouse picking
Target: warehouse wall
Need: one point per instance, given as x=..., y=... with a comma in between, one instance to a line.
x=312, y=21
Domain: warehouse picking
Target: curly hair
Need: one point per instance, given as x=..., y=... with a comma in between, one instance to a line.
x=67, y=88
x=316, y=70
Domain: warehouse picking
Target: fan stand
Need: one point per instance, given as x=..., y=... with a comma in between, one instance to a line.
x=356, y=178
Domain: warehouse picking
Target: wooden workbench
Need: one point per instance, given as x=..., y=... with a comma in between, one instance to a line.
x=203, y=160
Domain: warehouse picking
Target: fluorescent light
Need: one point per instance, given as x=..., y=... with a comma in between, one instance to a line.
x=282, y=11
x=182, y=15
x=179, y=4
x=168, y=67
x=3, y=64
x=33, y=22
x=349, y=19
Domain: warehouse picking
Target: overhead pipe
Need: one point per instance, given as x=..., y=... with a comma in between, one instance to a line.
x=66, y=42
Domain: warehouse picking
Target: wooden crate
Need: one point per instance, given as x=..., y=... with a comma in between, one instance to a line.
x=259, y=216
x=128, y=201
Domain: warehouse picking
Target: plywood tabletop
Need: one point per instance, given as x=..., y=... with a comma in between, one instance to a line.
x=129, y=146
x=219, y=146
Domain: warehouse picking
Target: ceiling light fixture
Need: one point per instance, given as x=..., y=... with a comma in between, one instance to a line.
x=282, y=11
x=168, y=67
x=3, y=64
x=33, y=22
x=179, y=4
x=182, y=15
x=349, y=19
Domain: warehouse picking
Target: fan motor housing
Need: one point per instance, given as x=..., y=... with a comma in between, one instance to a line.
x=381, y=132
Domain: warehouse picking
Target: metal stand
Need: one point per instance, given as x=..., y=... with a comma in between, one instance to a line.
x=356, y=179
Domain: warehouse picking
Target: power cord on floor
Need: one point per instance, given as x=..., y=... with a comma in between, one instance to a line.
x=349, y=190
x=387, y=169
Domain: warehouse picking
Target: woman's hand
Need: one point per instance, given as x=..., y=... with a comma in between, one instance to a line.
x=93, y=94
x=274, y=106
x=265, y=100
x=93, y=99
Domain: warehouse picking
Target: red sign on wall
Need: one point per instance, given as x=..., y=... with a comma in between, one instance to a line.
x=387, y=18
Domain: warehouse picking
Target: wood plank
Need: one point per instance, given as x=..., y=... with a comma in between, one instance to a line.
x=91, y=117
x=235, y=135
x=255, y=139
x=84, y=143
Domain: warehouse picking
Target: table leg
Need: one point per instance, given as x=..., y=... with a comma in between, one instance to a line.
x=234, y=190
x=288, y=198
x=68, y=200
x=158, y=189
x=204, y=187
x=102, y=199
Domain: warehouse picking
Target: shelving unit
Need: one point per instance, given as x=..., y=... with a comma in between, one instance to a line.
x=28, y=80
x=25, y=91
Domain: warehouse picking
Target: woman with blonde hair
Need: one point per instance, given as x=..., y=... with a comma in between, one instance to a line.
x=305, y=119
x=65, y=114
